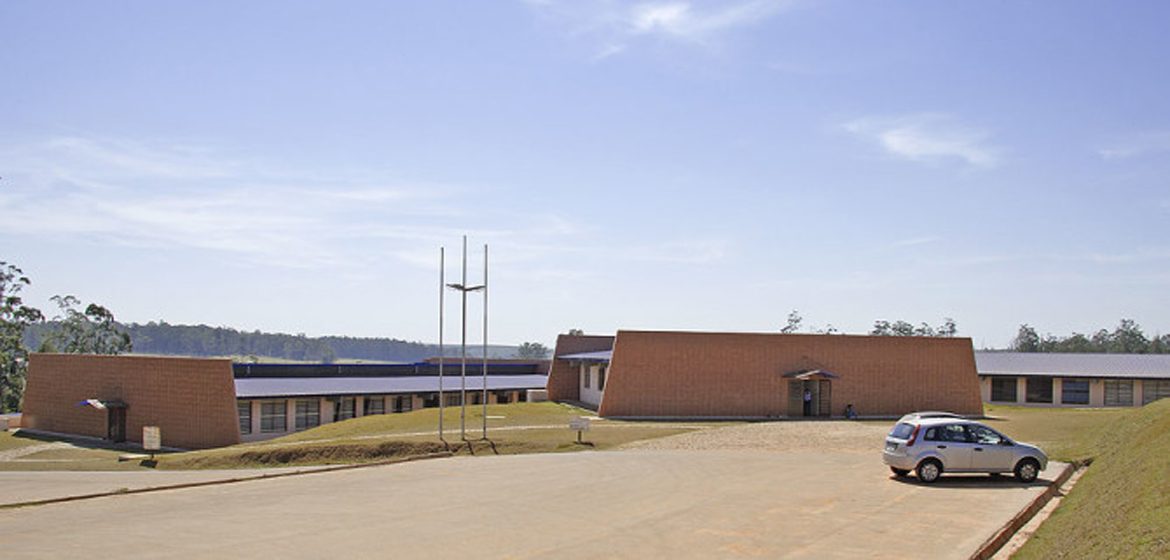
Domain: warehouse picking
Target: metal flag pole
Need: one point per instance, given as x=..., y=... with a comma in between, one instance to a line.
x=442, y=287
x=485, y=337
x=463, y=352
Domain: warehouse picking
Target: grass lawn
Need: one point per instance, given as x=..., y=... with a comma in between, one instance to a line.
x=512, y=428
x=1121, y=506
x=1065, y=434
x=9, y=440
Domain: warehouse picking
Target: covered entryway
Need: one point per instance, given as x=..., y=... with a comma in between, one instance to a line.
x=810, y=393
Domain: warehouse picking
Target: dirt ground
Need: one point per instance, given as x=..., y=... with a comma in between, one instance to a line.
x=830, y=436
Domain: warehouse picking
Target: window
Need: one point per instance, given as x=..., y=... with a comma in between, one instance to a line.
x=587, y=373
x=984, y=435
x=522, y=396
x=902, y=431
x=931, y=434
x=403, y=403
x=1074, y=391
x=430, y=400
x=1003, y=389
x=601, y=379
x=1153, y=389
x=503, y=397
x=1118, y=392
x=452, y=399
x=1039, y=390
x=308, y=414
x=273, y=417
x=374, y=405
x=244, y=409
x=345, y=409
x=956, y=433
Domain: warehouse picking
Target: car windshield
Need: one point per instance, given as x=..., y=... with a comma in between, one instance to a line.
x=902, y=430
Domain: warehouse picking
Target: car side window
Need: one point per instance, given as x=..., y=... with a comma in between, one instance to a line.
x=985, y=435
x=931, y=434
x=954, y=433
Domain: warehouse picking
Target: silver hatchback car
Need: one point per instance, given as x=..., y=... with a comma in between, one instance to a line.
x=930, y=446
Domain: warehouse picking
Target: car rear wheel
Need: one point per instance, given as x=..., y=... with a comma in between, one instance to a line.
x=929, y=470
x=1027, y=470
x=899, y=472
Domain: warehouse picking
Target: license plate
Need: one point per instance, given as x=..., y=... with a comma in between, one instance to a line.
x=891, y=446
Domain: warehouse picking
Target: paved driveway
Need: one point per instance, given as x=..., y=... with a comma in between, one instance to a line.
x=633, y=504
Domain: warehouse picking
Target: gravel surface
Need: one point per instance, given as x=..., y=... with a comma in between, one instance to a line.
x=858, y=437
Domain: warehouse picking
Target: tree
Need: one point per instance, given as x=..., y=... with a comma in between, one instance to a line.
x=533, y=350
x=1027, y=339
x=15, y=316
x=903, y=328
x=93, y=331
x=794, y=321
x=576, y=332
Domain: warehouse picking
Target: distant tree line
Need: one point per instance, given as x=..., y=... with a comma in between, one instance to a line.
x=203, y=340
x=1126, y=338
x=948, y=328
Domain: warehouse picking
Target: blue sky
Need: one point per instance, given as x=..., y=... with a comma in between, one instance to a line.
x=295, y=166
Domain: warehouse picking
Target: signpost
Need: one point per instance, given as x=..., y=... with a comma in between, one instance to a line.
x=151, y=439
x=579, y=424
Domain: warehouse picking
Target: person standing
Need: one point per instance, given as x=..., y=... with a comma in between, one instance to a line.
x=807, y=402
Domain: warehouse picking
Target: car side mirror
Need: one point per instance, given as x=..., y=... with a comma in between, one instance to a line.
x=1005, y=442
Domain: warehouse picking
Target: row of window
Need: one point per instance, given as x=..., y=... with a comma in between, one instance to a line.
x=273, y=414
x=1118, y=392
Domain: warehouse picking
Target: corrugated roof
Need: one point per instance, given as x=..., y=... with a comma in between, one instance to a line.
x=262, y=387
x=1153, y=366
x=599, y=356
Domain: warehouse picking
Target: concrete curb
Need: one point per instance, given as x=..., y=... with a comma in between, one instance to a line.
x=1005, y=533
x=439, y=455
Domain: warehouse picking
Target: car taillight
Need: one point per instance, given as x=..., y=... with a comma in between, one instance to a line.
x=913, y=436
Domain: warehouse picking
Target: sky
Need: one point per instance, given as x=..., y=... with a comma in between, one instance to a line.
x=295, y=166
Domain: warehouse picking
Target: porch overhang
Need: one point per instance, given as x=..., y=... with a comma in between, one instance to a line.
x=807, y=374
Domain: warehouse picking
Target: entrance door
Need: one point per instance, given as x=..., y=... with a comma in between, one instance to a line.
x=116, y=424
x=795, y=398
x=824, y=401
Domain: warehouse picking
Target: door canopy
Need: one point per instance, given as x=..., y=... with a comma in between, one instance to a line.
x=810, y=374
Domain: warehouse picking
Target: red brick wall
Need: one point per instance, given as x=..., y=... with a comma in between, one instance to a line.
x=192, y=401
x=562, y=377
x=731, y=374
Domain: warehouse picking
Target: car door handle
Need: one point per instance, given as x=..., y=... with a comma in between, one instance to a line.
x=942, y=447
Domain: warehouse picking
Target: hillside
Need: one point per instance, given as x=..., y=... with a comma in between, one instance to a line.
x=1121, y=507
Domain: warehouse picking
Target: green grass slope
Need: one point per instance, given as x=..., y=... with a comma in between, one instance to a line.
x=1121, y=506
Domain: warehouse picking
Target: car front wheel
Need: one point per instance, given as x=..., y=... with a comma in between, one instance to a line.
x=1027, y=470
x=929, y=470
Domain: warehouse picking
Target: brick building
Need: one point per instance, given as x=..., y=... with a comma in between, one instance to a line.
x=651, y=374
x=200, y=403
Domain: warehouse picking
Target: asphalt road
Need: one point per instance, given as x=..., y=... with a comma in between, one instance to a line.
x=632, y=504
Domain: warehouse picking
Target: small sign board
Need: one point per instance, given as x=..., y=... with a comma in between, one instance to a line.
x=580, y=424
x=151, y=438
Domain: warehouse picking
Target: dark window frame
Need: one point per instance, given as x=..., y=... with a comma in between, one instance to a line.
x=244, y=410
x=308, y=414
x=1038, y=390
x=1005, y=385
x=270, y=413
x=1077, y=395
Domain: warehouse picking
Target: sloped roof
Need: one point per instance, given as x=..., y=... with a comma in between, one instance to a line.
x=599, y=356
x=265, y=387
x=1126, y=366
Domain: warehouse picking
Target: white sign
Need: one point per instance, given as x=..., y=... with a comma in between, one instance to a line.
x=151, y=438
x=579, y=424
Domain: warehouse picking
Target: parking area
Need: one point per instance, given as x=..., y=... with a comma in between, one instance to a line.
x=684, y=497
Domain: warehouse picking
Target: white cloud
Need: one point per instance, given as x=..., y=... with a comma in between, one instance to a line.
x=927, y=137
x=1138, y=145
x=159, y=196
x=616, y=26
